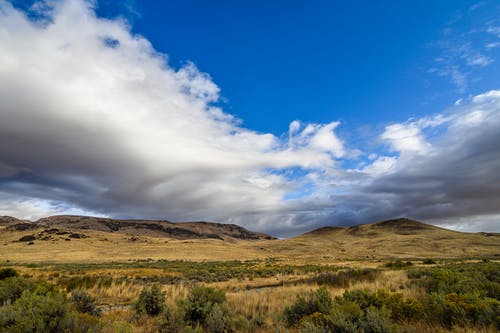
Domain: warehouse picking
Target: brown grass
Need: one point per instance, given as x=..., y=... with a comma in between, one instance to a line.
x=365, y=242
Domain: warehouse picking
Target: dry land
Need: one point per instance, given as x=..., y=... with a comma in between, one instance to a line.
x=394, y=276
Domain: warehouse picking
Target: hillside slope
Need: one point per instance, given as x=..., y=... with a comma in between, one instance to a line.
x=402, y=238
x=89, y=239
x=6, y=221
x=152, y=228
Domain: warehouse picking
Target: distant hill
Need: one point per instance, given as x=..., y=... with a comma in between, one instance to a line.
x=400, y=226
x=9, y=220
x=395, y=238
x=90, y=239
x=150, y=228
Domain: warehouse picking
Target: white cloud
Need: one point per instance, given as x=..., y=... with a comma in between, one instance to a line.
x=381, y=165
x=325, y=140
x=492, y=45
x=106, y=115
x=478, y=60
x=405, y=138
x=316, y=137
x=494, y=30
x=34, y=209
x=93, y=120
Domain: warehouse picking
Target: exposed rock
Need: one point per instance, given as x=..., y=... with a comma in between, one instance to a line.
x=154, y=228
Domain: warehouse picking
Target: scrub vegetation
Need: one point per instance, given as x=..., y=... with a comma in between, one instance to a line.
x=251, y=296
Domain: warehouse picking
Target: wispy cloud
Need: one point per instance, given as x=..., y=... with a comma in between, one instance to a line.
x=494, y=30
x=461, y=53
x=477, y=5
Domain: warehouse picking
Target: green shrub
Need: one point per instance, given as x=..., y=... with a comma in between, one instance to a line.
x=116, y=326
x=401, y=309
x=345, y=278
x=218, y=319
x=310, y=327
x=479, y=278
x=83, y=323
x=84, y=303
x=7, y=273
x=377, y=320
x=242, y=324
x=257, y=322
x=428, y=261
x=35, y=313
x=170, y=321
x=151, y=301
x=463, y=310
x=200, y=302
x=191, y=329
x=342, y=315
x=318, y=302
x=398, y=264
x=345, y=317
x=12, y=288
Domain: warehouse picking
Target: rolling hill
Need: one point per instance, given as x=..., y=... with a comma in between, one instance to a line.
x=83, y=238
x=153, y=228
x=397, y=238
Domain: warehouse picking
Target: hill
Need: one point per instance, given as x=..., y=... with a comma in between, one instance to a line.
x=153, y=228
x=397, y=238
x=89, y=239
x=6, y=221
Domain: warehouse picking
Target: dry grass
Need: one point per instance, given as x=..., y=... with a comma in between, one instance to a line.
x=250, y=297
x=367, y=242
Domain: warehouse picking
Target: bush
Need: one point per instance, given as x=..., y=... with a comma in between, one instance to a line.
x=34, y=312
x=377, y=321
x=352, y=313
x=83, y=323
x=345, y=278
x=398, y=264
x=318, y=302
x=257, y=322
x=7, y=273
x=462, y=309
x=310, y=327
x=401, y=309
x=151, y=301
x=218, y=319
x=428, y=262
x=84, y=303
x=170, y=321
x=191, y=329
x=200, y=302
x=479, y=278
x=345, y=317
x=12, y=288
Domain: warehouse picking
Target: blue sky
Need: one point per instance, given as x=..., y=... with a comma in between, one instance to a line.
x=361, y=62
x=277, y=115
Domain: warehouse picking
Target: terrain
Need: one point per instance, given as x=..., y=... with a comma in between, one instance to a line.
x=91, y=239
x=87, y=274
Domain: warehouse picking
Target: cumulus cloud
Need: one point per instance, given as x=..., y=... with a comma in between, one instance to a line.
x=93, y=116
x=405, y=138
x=457, y=177
x=94, y=121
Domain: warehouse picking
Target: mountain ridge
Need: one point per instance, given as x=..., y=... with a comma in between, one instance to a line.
x=138, y=227
x=89, y=239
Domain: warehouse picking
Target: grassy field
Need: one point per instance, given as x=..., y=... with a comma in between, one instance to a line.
x=396, y=276
x=407, y=240
x=261, y=295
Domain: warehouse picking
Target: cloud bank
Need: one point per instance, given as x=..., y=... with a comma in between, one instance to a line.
x=94, y=121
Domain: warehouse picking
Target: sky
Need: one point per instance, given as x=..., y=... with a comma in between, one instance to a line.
x=280, y=116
